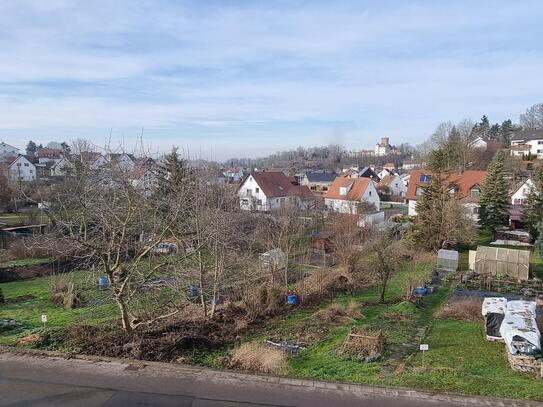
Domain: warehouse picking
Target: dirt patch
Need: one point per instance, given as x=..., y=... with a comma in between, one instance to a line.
x=29, y=339
x=465, y=309
x=20, y=298
x=171, y=341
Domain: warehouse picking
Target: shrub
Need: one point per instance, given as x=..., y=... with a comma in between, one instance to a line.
x=337, y=313
x=466, y=309
x=265, y=300
x=64, y=292
x=257, y=357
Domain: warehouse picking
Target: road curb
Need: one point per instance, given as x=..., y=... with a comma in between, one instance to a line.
x=161, y=368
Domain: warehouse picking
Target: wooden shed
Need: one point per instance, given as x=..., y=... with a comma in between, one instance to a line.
x=502, y=262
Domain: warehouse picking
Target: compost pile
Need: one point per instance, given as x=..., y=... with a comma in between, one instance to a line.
x=172, y=340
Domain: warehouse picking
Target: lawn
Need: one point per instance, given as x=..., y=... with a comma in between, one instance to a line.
x=24, y=262
x=99, y=308
x=23, y=218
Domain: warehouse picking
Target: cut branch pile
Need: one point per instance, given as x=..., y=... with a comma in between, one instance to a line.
x=360, y=344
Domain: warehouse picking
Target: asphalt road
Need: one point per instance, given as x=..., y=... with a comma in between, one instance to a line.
x=31, y=380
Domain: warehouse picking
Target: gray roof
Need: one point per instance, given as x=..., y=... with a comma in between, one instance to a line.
x=528, y=135
x=321, y=176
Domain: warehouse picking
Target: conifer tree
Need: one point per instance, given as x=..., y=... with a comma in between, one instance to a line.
x=494, y=198
x=533, y=209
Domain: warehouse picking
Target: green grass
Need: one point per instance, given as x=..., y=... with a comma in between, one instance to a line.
x=24, y=262
x=536, y=264
x=460, y=359
x=23, y=218
x=99, y=308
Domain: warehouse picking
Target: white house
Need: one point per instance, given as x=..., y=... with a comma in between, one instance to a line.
x=383, y=147
x=527, y=142
x=405, y=178
x=62, y=168
x=265, y=191
x=467, y=186
x=232, y=175
x=395, y=184
x=8, y=151
x=346, y=194
x=144, y=179
x=123, y=161
x=479, y=143
x=20, y=169
x=521, y=191
x=48, y=155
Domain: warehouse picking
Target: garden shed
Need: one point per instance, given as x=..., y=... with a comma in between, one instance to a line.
x=503, y=262
x=447, y=260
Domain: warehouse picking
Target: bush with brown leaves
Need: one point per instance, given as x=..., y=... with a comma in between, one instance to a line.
x=465, y=309
x=257, y=357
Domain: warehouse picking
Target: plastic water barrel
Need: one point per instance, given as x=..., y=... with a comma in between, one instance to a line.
x=193, y=291
x=292, y=299
x=103, y=282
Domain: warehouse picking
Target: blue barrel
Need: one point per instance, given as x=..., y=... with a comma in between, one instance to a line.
x=217, y=300
x=292, y=299
x=193, y=291
x=103, y=282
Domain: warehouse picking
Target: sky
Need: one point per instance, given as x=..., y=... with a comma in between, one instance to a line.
x=226, y=79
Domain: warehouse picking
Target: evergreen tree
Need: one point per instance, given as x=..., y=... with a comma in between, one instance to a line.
x=173, y=172
x=494, y=198
x=533, y=209
x=31, y=148
x=539, y=241
x=506, y=131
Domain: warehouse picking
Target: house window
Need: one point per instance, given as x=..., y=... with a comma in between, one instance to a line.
x=476, y=210
x=419, y=191
x=425, y=178
x=539, y=151
x=259, y=201
x=539, y=141
x=257, y=190
x=26, y=164
x=18, y=164
x=249, y=191
x=325, y=188
x=369, y=193
x=475, y=192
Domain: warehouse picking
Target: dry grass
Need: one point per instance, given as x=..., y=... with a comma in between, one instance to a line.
x=337, y=313
x=63, y=291
x=257, y=357
x=464, y=309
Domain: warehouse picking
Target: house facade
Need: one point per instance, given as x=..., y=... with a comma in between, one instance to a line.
x=62, y=168
x=20, y=168
x=466, y=185
x=520, y=192
x=345, y=195
x=383, y=147
x=48, y=155
x=527, y=142
x=266, y=191
x=394, y=184
x=318, y=181
x=8, y=151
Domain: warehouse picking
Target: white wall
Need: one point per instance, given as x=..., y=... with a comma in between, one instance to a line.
x=345, y=206
x=8, y=151
x=520, y=196
x=397, y=186
x=22, y=170
x=412, y=207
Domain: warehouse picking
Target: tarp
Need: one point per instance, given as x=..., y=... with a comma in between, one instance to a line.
x=519, y=328
x=497, y=305
x=493, y=324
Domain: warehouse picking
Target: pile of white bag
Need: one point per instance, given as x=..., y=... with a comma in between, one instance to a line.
x=518, y=328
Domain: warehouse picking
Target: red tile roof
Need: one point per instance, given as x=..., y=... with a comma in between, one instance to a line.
x=274, y=184
x=356, y=191
x=464, y=182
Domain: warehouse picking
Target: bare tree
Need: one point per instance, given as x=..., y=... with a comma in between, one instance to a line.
x=384, y=255
x=120, y=227
x=532, y=119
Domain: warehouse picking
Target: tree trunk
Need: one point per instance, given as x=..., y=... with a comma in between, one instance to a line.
x=383, y=290
x=125, y=315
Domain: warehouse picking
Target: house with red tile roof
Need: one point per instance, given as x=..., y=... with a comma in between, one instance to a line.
x=393, y=184
x=266, y=191
x=467, y=186
x=346, y=194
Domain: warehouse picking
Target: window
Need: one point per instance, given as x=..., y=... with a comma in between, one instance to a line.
x=259, y=201
x=539, y=151
x=249, y=191
x=419, y=191
x=325, y=188
x=476, y=210
x=539, y=141
x=26, y=164
x=370, y=193
x=425, y=178
x=474, y=192
x=257, y=190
